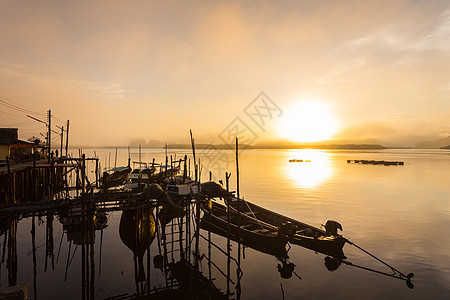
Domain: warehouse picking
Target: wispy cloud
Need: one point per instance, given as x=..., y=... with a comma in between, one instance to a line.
x=343, y=73
x=351, y=46
x=439, y=35
x=19, y=71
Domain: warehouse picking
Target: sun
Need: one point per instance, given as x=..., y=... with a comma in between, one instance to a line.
x=308, y=121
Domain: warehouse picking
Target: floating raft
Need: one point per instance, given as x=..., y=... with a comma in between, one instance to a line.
x=375, y=162
x=299, y=160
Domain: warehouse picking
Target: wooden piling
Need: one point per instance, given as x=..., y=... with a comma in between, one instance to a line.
x=238, y=201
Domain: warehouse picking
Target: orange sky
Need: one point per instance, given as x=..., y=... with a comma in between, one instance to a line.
x=154, y=69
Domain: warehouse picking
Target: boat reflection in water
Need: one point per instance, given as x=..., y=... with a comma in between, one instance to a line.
x=137, y=231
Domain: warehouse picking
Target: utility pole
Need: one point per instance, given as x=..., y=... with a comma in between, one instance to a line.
x=49, y=134
x=67, y=138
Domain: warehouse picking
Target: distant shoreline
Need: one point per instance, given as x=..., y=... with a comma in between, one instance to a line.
x=256, y=147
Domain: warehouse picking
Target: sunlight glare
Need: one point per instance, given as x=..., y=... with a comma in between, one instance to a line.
x=308, y=121
x=311, y=173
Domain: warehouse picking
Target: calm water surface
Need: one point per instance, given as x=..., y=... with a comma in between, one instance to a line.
x=401, y=214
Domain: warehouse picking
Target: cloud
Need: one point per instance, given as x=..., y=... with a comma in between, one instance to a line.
x=17, y=71
x=439, y=35
x=203, y=61
x=345, y=73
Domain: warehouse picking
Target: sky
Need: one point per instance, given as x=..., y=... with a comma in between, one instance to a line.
x=122, y=70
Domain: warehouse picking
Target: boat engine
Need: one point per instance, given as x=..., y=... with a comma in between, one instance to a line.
x=331, y=227
x=287, y=229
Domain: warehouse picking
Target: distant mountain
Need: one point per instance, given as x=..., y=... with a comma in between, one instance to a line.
x=134, y=143
x=446, y=147
x=209, y=146
x=433, y=144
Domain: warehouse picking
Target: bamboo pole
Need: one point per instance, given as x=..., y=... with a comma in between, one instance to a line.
x=238, y=199
x=115, y=160
x=67, y=139
x=49, y=134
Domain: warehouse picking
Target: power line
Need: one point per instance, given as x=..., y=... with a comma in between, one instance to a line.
x=62, y=122
x=10, y=104
x=10, y=114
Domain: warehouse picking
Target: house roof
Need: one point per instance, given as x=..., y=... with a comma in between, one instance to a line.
x=8, y=136
x=20, y=143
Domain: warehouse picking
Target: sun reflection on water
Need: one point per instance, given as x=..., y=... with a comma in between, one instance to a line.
x=313, y=169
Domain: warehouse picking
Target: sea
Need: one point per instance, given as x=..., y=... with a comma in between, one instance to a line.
x=398, y=214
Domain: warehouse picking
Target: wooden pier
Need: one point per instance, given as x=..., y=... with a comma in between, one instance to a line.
x=38, y=180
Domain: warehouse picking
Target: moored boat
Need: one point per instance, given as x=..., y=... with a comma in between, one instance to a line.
x=251, y=231
x=140, y=176
x=326, y=241
x=115, y=177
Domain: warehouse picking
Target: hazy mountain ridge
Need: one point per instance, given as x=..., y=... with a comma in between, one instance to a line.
x=437, y=144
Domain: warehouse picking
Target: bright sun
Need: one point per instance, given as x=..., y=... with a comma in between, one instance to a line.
x=308, y=121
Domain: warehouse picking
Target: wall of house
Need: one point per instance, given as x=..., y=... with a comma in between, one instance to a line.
x=4, y=151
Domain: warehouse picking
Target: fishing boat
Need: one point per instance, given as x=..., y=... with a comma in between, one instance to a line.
x=115, y=177
x=278, y=249
x=140, y=176
x=251, y=231
x=326, y=241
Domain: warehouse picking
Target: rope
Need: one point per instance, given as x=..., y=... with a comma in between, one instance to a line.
x=259, y=223
x=409, y=276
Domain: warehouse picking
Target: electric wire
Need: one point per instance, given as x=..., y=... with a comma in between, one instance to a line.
x=10, y=104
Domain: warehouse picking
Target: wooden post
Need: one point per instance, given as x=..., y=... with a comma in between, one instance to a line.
x=129, y=157
x=66, y=179
x=238, y=201
x=185, y=170
x=67, y=138
x=165, y=172
x=193, y=152
x=9, y=181
x=62, y=138
x=49, y=141
x=83, y=173
x=115, y=160
x=97, y=175
x=227, y=180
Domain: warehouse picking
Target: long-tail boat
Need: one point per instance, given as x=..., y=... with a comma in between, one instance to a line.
x=326, y=241
x=250, y=231
x=115, y=177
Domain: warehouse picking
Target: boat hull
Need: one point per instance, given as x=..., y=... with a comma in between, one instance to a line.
x=260, y=237
x=304, y=235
